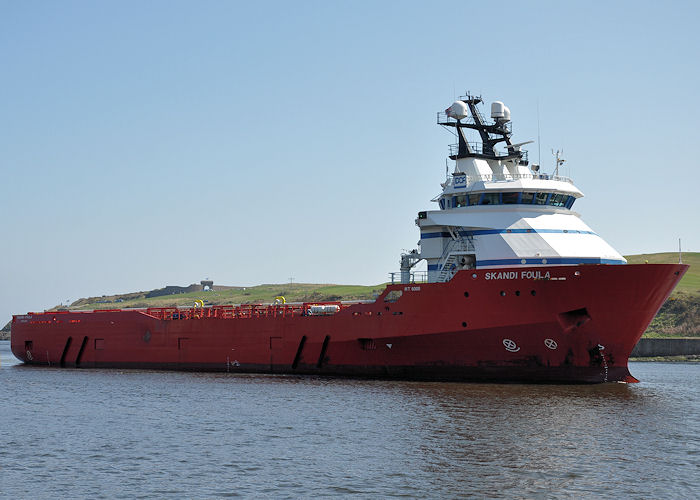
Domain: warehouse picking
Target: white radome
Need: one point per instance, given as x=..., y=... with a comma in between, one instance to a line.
x=458, y=110
x=500, y=111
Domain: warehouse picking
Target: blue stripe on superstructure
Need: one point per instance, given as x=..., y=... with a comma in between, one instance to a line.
x=481, y=232
x=552, y=261
x=425, y=236
x=433, y=267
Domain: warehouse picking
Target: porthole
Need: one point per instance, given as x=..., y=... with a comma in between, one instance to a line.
x=517, y=293
x=533, y=293
x=503, y=293
x=464, y=324
x=474, y=275
x=466, y=294
x=577, y=273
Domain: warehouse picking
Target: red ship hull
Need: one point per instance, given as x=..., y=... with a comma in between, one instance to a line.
x=559, y=324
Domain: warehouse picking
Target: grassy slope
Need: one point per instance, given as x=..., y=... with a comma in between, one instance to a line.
x=691, y=281
x=297, y=292
x=680, y=316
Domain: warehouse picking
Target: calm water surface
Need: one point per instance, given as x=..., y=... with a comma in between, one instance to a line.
x=141, y=434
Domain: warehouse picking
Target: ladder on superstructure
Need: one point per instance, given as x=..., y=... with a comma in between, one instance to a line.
x=451, y=255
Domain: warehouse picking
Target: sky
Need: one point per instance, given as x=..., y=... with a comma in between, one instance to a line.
x=145, y=144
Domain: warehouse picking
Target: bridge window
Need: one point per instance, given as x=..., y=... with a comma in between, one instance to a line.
x=541, y=198
x=490, y=199
x=527, y=198
x=510, y=198
x=558, y=200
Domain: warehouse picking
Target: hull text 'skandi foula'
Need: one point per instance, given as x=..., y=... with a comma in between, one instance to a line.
x=518, y=288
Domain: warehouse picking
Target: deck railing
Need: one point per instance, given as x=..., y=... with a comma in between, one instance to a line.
x=241, y=311
x=478, y=148
x=319, y=308
x=416, y=277
x=471, y=179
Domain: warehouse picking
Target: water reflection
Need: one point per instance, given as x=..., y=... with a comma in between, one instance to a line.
x=160, y=434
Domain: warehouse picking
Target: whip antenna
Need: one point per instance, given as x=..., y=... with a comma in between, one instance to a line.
x=539, y=144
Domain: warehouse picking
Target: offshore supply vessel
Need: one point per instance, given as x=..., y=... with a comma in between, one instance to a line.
x=518, y=289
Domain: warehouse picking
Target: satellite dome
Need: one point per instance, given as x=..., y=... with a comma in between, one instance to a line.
x=500, y=112
x=458, y=110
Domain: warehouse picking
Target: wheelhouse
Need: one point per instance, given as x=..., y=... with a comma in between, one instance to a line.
x=506, y=198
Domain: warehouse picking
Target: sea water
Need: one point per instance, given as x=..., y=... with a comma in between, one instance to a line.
x=144, y=434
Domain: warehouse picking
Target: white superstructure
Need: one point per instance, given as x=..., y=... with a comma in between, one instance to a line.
x=495, y=211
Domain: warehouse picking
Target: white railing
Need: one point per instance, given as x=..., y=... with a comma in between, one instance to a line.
x=415, y=277
x=471, y=179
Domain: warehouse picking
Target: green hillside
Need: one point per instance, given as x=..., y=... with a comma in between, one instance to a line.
x=680, y=315
x=690, y=282
x=302, y=292
x=296, y=292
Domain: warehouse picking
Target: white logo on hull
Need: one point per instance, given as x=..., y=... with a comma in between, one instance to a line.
x=510, y=345
x=551, y=343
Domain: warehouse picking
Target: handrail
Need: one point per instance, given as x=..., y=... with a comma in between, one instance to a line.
x=443, y=117
x=415, y=277
x=478, y=148
x=221, y=311
x=240, y=311
x=471, y=179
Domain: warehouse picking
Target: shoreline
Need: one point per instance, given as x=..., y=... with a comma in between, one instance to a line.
x=690, y=358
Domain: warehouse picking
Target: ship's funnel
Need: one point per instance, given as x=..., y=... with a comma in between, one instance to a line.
x=458, y=110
